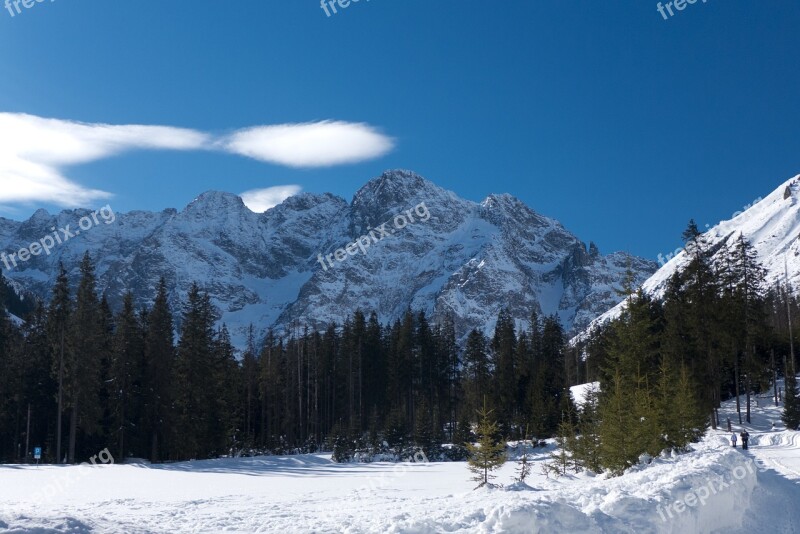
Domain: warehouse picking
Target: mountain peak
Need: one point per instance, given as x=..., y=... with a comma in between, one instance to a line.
x=393, y=186
x=215, y=200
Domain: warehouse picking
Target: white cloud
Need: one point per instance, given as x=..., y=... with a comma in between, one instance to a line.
x=34, y=152
x=260, y=200
x=318, y=144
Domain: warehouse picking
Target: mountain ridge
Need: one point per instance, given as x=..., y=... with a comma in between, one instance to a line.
x=466, y=259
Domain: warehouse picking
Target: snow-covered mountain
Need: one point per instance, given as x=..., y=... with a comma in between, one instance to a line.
x=456, y=257
x=772, y=226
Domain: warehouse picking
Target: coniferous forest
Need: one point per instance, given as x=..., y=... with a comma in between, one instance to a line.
x=168, y=385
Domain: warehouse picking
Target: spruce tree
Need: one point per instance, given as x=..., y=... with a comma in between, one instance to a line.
x=159, y=357
x=489, y=454
x=477, y=371
x=524, y=464
x=126, y=359
x=563, y=458
x=424, y=434
x=791, y=403
x=194, y=387
x=58, y=321
x=586, y=450
x=504, y=388
x=616, y=421
x=83, y=364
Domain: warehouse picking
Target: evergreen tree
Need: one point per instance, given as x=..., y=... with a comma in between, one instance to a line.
x=586, y=451
x=461, y=437
x=566, y=442
x=127, y=356
x=159, y=356
x=194, y=387
x=524, y=467
x=58, y=321
x=82, y=376
x=791, y=403
x=505, y=387
x=616, y=421
x=477, y=371
x=489, y=453
x=424, y=435
x=226, y=410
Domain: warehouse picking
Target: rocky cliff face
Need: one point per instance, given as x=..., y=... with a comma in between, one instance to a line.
x=445, y=255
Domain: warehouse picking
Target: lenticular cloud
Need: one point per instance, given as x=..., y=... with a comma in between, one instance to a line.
x=36, y=151
x=318, y=144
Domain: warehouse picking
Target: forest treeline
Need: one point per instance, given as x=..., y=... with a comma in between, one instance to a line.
x=76, y=378
x=91, y=379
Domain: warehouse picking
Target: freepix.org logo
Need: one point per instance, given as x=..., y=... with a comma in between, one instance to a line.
x=374, y=236
x=329, y=6
x=46, y=244
x=13, y=6
x=679, y=5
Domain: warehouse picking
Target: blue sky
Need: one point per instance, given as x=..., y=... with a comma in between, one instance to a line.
x=602, y=114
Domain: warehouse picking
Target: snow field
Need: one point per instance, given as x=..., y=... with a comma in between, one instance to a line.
x=713, y=488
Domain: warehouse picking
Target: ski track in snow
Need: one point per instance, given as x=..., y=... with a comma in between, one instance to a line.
x=311, y=494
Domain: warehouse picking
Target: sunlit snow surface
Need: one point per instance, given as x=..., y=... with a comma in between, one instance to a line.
x=311, y=494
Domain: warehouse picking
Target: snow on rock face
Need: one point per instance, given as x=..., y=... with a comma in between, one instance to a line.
x=772, y=226
x=456, y=258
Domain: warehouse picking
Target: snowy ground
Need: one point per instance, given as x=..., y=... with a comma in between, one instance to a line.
x=720, y=489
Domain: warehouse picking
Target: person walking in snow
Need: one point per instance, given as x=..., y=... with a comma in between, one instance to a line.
x=745, y=438
x=733, y=440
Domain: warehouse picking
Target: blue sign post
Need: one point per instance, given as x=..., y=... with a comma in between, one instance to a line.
x=37, y=454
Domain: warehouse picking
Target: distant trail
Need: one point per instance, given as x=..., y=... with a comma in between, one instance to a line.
x=774, y=504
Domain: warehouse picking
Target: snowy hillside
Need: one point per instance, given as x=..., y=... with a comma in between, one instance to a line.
x=772, y=226
x=455, y=257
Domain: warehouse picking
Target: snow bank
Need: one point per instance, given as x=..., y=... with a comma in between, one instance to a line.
x=698, y=492
x=310, y=493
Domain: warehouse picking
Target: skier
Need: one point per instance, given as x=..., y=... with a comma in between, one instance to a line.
x=733, y=440
x=745, y=438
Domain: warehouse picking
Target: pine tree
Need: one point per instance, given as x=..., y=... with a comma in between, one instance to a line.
x=58, y=320
x=616, y=421
x=524, y=467
x=490, y=453
x=586, y=451
x=159, y=358
x=127, y=355
x=477, y=370
x=83, y=364
x=791, y=403
x=397, y=434
x=424, y=434
x=504, y=388
x=194, y=388
x=462, y=435
x=566, y=442
x=687, y=419
x=226, y=410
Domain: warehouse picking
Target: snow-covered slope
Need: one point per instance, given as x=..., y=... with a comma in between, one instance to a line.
x=467, y=259
x=772, y=226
